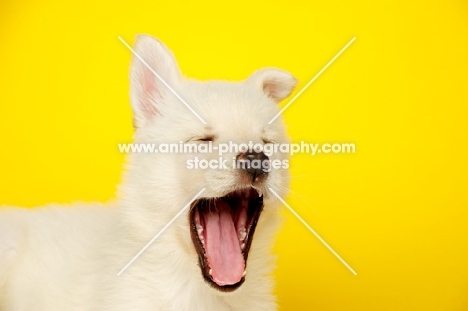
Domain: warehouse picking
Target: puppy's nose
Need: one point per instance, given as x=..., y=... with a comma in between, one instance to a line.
x=257, y=164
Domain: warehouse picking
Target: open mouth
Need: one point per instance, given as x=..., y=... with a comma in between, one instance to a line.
x=222, y=230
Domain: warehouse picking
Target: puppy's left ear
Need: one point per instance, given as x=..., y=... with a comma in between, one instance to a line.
x=277, y=84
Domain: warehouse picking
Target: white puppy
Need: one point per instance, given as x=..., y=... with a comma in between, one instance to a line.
x=67, y=258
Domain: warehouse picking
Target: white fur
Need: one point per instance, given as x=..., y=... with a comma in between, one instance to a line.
x=67, y=258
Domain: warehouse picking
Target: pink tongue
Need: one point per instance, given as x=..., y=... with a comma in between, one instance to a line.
x=222, y=246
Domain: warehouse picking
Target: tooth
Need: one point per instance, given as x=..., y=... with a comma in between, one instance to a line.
x=245, y=272
x=243, y=234
x=210, y=272
x=243, y=245
x=259, y=191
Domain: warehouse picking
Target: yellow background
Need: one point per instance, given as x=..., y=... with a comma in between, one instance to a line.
x=396, y=210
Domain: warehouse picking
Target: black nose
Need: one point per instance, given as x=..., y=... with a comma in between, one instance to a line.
x=257, y=164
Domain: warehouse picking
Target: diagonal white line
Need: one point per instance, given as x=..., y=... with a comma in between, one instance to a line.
x=313, y=231
x=162, y=80
x=160, y=232
x=313, y=79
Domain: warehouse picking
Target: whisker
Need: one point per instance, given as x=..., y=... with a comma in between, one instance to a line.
x=308, y=201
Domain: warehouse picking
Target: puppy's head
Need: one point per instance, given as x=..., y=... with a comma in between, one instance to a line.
x=221, y=132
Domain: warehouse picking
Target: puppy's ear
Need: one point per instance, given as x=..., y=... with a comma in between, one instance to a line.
x=275, y=83
x=146, y=89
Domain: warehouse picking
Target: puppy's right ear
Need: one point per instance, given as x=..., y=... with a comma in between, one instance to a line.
x=147, y=89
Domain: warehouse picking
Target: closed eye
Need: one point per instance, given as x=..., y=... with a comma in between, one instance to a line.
x=203, y=138
x=207, y=138
x=267, y=141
